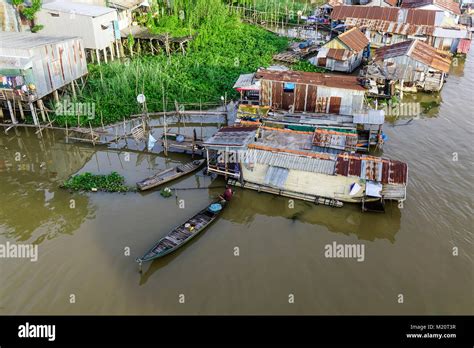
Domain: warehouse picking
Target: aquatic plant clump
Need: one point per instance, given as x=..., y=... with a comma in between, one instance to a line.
x=113, y=182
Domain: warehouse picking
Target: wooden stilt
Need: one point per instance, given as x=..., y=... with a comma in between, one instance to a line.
x=33, y=114
x=22, y=113
x=105, y=54
x=41, y=107
x=112, y=54
x=122, y=52
x=73, y=90
x=56, y=96
x=97, y=56
x=117, y=51
x=12, y=114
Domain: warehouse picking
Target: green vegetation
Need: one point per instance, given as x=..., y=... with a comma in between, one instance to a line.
x=166, y=192
x=90, y=182
x=223, y=49
x=30, y=12
x=304, y=65
x=37, y=27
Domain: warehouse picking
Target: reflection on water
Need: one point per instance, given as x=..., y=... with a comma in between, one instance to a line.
x=347, y=220
x=33, y=207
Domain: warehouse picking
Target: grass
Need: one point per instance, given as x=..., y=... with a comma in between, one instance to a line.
x=223, y=49
x=90, y=182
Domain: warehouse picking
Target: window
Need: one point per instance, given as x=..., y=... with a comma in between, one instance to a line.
x=288, y=87
x=54, y=14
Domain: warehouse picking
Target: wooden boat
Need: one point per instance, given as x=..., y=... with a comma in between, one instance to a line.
x=169, y=175
x=183, y=233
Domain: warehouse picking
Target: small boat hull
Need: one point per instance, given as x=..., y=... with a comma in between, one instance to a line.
x=169, y=175
x=184, y=233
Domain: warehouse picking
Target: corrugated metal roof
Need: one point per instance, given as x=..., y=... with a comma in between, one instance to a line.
x=29, y=40
x=336, y=140
x=77, y=8
x=417, y=50
x=354, y=39
x=448, y=5
x=329, y=80
x=389, y=14
x=390, y=27
x=244, y=80
x=232, y=136
x=291, y=161
x=372, y=168
x=368, y=12
x=338, y=54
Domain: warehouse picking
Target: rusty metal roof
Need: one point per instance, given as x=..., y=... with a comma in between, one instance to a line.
x=339, y=54
x=449, y=5
x=354, y=39
x=368, y=12
x=390, y=27
x=318, y=79
x=417, y=50
x=372, y=168
x=336, y=140
x=389, y=14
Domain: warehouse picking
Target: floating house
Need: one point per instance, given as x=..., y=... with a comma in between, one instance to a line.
x=33, y=66
x=288, y=163
x=411, y=64
x=297, y=91
x=343, y=53
x=387, y=25
x=96, y=25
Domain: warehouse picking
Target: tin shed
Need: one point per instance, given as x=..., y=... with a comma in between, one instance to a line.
x=94, y=24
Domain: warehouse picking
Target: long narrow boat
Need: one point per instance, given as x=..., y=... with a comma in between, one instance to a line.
x=184, y=232
x=169, y=175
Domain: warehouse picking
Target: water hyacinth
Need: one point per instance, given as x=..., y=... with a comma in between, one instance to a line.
x=113, y=182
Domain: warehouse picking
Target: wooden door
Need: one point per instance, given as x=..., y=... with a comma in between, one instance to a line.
x=334, y=105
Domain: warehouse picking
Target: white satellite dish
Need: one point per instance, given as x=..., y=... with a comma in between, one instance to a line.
x=141, y=98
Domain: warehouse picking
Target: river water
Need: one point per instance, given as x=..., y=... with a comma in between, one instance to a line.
x=83, y=266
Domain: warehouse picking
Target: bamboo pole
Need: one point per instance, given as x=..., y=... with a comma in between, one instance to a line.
x=20, y=107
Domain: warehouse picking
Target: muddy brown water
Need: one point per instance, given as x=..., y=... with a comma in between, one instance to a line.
x=82, y=251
